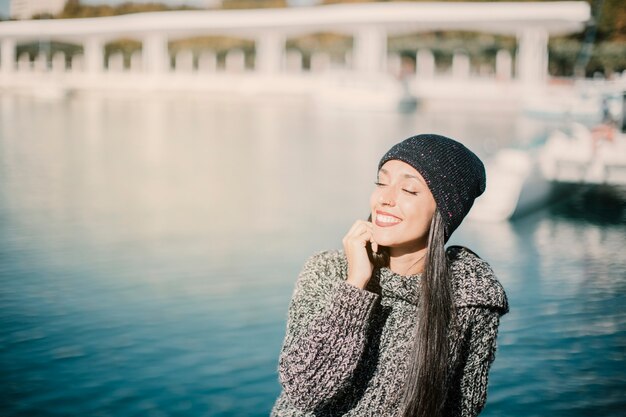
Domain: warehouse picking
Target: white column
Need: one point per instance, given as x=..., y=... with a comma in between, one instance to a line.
x=320, y=62
x=425, y=63
x=41, y=62
x=94, y=55
x=7, y=63
x=270, y=49
x=504, y=65
x=115, y=63
x=460, y=65
x=23, y=63
x=58, y=62
x=235, y=61
x=156, y=58
x=370, y=49
x=184, y=61
x=532, y=56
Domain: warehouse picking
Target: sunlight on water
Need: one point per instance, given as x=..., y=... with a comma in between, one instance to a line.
x=149, y=246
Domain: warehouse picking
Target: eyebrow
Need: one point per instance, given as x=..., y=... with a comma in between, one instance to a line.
x=384, y=171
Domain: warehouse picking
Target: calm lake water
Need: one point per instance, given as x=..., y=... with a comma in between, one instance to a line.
x=149, y=246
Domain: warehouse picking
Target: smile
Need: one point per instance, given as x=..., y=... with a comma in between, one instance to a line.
x=386, y=219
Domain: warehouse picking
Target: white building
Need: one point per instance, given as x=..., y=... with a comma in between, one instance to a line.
x=276, y=66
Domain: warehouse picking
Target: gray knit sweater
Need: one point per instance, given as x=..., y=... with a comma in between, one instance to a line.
x=346, y=350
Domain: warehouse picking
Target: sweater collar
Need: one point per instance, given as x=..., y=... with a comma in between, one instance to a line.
x=393, y=285
x=473, y=283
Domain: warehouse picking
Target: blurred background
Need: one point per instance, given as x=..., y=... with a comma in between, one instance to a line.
x=167, y=168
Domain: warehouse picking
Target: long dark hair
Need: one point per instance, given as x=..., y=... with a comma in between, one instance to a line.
x=425, y=387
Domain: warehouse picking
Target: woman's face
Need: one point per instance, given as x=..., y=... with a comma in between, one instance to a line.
x=402, y=207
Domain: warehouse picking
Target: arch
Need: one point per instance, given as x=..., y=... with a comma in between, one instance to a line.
x=481, y=48
x=46, y=50
x=336, y=45
x=123, y=48
x=218, y=45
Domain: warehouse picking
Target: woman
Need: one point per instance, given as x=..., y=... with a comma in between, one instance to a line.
x=395, y=324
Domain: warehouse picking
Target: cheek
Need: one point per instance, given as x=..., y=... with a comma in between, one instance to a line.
x=373, y=199
x=421, y=215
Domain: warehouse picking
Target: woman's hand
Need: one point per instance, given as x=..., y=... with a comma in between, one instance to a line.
x=354, y=245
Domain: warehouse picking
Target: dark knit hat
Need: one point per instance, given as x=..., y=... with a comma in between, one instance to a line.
x=453, y=173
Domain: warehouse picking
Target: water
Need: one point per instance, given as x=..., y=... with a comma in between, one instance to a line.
x=149, y=246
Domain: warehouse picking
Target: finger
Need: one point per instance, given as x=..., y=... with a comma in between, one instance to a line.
x=355, y=226
x=374, y=246
x=360, y=237
x=358, y=229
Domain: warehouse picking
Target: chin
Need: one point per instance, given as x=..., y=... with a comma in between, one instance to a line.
x=387, y=241
x=393, y=245
x=390, y=241
x=387, y=244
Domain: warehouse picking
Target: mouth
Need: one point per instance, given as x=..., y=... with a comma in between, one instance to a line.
x=384, y=219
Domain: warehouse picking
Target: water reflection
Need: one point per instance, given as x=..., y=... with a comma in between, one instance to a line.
x=149, y=247
x=564, y=338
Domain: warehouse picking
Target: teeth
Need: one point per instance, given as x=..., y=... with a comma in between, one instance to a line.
x=387, y=219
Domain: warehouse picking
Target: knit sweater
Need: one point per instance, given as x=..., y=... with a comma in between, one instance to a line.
x=346, y=349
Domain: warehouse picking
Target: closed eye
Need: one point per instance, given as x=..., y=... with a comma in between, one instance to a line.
x=409, y=191
x=379, y=184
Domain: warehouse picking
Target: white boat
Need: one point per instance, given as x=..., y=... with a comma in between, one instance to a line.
x=585, y=156
x=515, y=185
x=589, y=103
x=573, y=106
x=521, y=181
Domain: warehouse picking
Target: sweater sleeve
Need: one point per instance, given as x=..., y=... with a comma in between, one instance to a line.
x=480, y=356
x=326, y=331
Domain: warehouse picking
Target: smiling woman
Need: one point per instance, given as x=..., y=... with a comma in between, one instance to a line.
x=402, y=206
x=395, y=324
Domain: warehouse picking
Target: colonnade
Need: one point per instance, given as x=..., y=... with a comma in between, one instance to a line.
x=369, y=25
x=369, y=55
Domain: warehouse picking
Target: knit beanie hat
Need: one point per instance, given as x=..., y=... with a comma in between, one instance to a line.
x=455, y=175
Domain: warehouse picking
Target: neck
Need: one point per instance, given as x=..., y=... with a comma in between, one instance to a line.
x=404, y=262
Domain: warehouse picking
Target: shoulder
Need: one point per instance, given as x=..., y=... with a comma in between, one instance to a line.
x=323, y=270
x=328, y=262
x=474, y=283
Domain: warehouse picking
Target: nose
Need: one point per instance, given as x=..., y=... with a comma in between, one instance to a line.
x=386, y=197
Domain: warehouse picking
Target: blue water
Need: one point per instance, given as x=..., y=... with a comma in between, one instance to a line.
x=149, y=246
